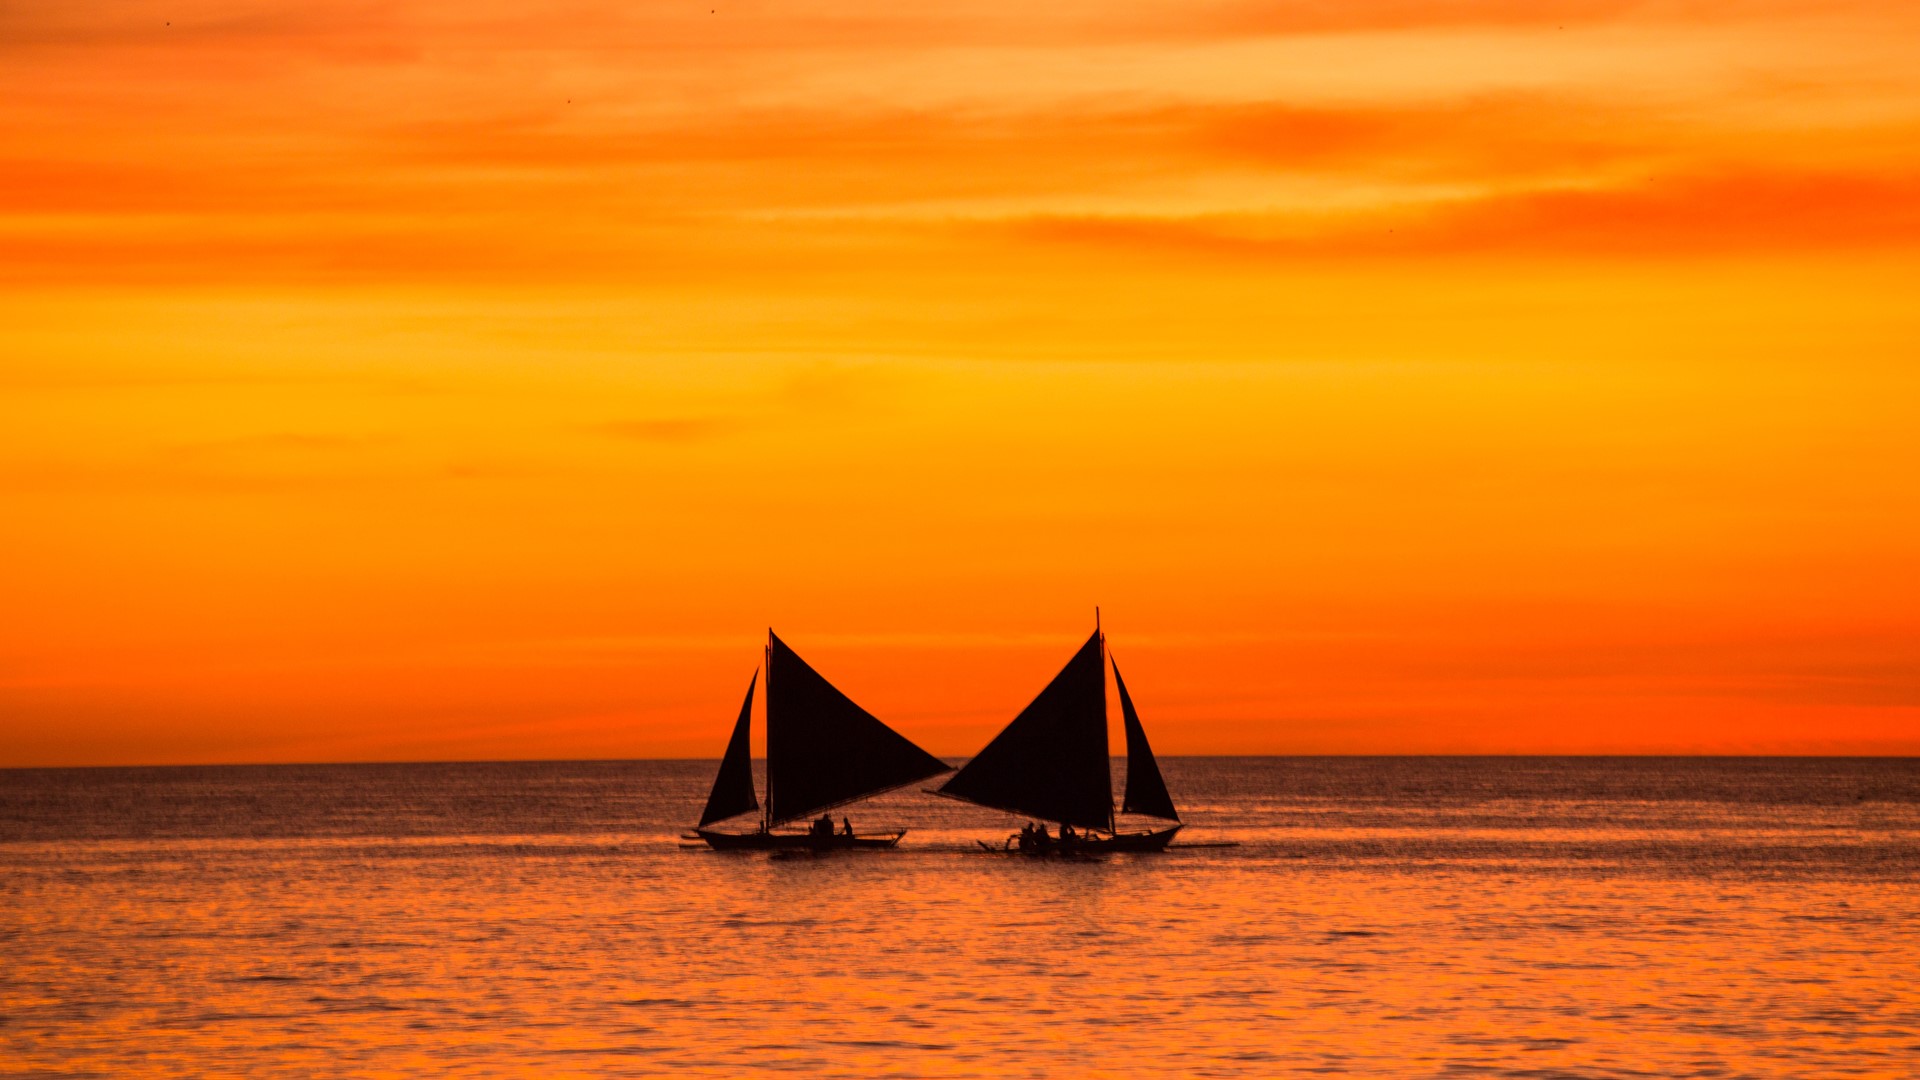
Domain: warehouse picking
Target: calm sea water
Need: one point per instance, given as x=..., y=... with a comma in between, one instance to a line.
x=1379, y=917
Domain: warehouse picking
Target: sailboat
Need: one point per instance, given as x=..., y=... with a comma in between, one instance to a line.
x=1050, y=763
x=823, y=751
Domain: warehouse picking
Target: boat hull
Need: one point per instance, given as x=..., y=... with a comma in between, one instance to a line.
x=1151, y=840
x=773, y=841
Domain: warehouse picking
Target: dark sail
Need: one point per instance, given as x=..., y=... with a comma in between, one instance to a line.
x=1051, y=761
x=733, y=786
x=822, y=749
x=1146, y=791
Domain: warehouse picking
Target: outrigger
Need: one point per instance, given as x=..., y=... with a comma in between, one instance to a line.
x=823, y=751
x=1050, y=763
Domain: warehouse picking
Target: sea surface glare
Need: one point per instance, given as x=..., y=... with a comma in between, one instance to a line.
x=1513, y=917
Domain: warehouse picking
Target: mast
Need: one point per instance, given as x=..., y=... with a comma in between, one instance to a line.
x=766, y=805
x=1112, y=825
x=1099, y=633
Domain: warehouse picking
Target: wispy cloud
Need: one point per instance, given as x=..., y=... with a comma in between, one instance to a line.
x=319, y=146
x=1677, y=215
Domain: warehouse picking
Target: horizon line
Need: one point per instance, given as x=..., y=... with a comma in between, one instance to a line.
x=1650, y=756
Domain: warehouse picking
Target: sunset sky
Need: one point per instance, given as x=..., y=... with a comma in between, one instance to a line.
x=450, y=380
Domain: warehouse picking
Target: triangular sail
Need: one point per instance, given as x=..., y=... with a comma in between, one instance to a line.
x=1051, y=761
x=822, y=749
x=732, y=792
x=1146, y=790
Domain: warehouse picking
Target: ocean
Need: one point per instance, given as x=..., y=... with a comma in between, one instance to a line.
x=1391, y=917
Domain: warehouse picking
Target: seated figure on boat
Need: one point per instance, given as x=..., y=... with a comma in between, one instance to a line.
x=824, y=826
x=846, y=826
x=1067, y=835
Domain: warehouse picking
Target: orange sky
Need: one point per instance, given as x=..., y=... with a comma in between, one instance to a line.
x=476, y=380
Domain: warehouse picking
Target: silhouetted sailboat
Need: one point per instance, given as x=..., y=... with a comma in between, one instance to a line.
x=823, y=751
x=1050, y=763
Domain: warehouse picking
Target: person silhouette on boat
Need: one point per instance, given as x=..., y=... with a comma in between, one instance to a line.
x=824, y=826
x=846, y=827
x=1067, y=835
